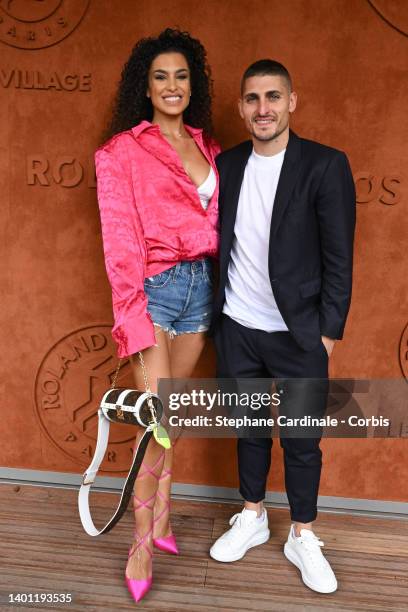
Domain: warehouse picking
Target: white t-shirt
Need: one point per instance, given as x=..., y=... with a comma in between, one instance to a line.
x=248, y=293
x=206, y=189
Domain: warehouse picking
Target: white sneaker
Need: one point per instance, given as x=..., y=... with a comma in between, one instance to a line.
x=247, y=531
x=305, y=553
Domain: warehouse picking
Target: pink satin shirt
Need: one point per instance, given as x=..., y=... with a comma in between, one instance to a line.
x=151, y=218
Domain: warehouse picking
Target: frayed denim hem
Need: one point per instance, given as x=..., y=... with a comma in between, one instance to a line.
x=173, y=333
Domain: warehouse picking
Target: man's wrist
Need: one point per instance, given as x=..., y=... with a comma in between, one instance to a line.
x=328, y=344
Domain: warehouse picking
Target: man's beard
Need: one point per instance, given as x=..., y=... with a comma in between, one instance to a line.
x=267, y=138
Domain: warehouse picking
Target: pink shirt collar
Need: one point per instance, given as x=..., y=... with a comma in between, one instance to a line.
x=144, y=125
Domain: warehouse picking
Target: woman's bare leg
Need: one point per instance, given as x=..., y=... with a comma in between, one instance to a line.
x=157, y=362
x=185, y=351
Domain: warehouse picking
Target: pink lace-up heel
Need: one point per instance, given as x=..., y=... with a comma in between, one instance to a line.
x=138, y=588
x=167, y=543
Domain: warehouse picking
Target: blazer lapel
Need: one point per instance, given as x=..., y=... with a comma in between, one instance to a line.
x=287, y=179
x=230, y=202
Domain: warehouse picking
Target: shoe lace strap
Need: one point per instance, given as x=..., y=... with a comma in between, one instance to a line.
x=141, y=542
x=164, y=499
x=138, y=503
x=147, y=469
x=165, y=474
x=310, y=544
x=314, y=541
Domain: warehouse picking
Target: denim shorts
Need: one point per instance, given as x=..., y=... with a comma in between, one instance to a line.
x=180, y=298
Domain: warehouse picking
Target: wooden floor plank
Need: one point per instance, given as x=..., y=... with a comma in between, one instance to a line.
x=43, y=548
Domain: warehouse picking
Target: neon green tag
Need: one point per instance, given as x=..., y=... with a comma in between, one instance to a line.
x=161, y=436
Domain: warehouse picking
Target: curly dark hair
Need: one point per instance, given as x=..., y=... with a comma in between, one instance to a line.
x=131, y=103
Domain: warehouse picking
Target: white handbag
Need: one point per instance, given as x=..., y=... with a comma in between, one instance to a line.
x=128, y=406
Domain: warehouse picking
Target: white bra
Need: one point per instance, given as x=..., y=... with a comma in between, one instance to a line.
x=206, y=189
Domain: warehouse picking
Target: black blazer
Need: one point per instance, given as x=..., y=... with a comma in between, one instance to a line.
x=311, y=236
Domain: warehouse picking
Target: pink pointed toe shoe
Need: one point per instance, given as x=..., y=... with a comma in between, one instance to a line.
x=138, y=588
x=167, y=544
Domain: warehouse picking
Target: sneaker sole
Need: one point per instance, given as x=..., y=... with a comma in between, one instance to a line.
x=257, y=540
x=293, y=559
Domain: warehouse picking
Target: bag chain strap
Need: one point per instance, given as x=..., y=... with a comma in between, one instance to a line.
x=146, y=383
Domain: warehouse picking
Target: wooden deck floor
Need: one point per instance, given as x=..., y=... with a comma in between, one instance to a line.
x=44, y=549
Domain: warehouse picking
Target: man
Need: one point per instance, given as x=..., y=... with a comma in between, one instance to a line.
x=287, y=217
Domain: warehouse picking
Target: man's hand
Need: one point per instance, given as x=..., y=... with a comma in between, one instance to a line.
x=328, y=344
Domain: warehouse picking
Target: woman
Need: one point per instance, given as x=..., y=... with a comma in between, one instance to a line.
x=157, y=192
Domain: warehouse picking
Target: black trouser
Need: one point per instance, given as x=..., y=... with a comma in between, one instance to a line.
x=250, y=353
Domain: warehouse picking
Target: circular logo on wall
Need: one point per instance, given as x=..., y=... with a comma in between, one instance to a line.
x=70, y=382
x=35, y=24
x=404, y=352
x=394, y=12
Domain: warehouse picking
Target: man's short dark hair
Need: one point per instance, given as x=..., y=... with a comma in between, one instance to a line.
x=265, y=67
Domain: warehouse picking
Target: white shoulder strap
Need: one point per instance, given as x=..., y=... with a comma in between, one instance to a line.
x=90, y=474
